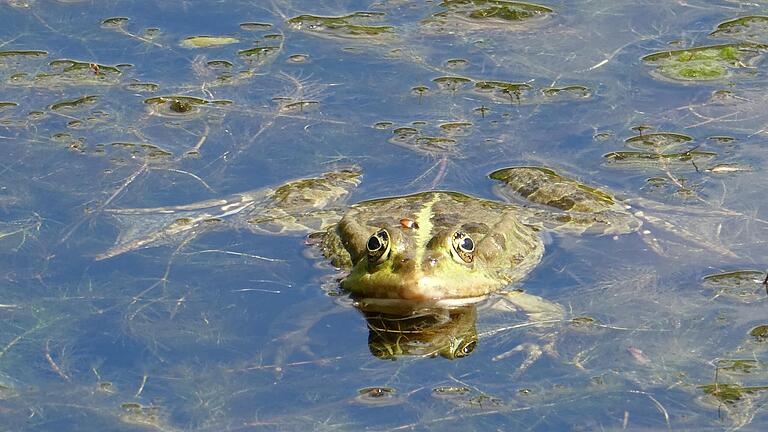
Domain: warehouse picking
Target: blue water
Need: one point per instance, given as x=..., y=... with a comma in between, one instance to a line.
x=231, y=330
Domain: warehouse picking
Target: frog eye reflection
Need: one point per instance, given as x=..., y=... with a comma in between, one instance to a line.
x=464, y=246
x=378, y=246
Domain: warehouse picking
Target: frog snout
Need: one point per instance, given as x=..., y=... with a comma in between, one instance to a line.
x=405, y=265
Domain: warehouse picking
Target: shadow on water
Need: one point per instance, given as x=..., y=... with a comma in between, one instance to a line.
x=150, y=157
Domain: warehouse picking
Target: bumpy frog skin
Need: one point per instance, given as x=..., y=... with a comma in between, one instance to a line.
x=453, y=246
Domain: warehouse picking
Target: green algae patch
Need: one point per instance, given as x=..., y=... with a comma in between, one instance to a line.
x=150, y=151
x=74, y=103
x=416, y=140
x=502, y=91
x=255, y=26
x=744, y=286
x=176, y=106
x=451, y=83
x=658, y=150
x=182, y=221
x=152, y=417
x=705, y=63
x=220, y=64
x=573, y=91
x=378, y=396
x=450, y=392
x=298, y=58
x=505, y=92
x=730, y=393
x=501, y=86
x=357, y=25
x=208, y=41
x=737, y=366
x=657, y=141
x=728, y=168
x=24, y=69
x=298, y=106
x=114, y=22
x=420, y=91
x=143, y=87
x=63, y=72
x=760, y=333
x=260, y=52
x=722, y=139
x=456, y=127
x=715, y=52
x=639, y=156
x=456, y=63
x=248, y=60
x=70, y=66
x=479, y=14
x=753, y=28
x=22, y=53
x=36, y=115
x=671, y=153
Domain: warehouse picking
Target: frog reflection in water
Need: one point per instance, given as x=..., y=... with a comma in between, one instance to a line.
x=448, y=332
x=411, y=253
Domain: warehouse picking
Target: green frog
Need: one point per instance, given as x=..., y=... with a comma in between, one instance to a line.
x=446, y=247
x=437, y=247
x=414, y=264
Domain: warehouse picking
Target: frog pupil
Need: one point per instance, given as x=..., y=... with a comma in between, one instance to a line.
x=373, y=243
x=467, y=244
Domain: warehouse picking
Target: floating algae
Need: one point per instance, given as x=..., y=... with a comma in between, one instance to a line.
x=357, y=25
x=704, y=63
x=484, y=14
x=208, y=41
x=753, y=28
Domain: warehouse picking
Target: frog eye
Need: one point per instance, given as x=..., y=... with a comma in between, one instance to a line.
x=465, y=349
x=464, y=246
x=378, y=246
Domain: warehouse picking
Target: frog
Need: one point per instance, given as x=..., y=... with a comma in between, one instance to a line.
x=436, y=247
x=449, y=247
x=432, y=254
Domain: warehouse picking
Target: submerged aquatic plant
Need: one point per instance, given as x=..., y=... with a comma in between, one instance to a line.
x=751, y=28
x=704, y=63
x=483, y=14
x=355, y=25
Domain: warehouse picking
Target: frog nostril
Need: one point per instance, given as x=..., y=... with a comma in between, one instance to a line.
x=404, y=264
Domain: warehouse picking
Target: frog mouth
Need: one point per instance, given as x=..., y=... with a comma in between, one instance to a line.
x=418, y=286
x=406, y=307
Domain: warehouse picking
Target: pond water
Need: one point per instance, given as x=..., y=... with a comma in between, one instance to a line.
x=127, y=320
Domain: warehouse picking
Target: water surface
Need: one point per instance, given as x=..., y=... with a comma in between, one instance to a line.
x=109, y=105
